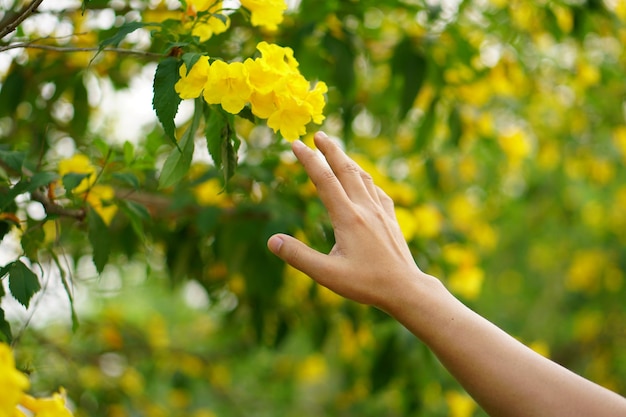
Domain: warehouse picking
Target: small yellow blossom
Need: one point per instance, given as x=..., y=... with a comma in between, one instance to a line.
x=460, y=404
x=47, y=407
x=100, y=198
x=210, y=193
x=209, y=24
x=265, y=13
x=228, y=85
x=12, y=382
x=79, y=164
x=192, y=82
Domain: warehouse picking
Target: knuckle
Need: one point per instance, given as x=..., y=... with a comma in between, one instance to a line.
x=350, y=168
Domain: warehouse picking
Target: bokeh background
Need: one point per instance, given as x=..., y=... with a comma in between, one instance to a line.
x=498, y=127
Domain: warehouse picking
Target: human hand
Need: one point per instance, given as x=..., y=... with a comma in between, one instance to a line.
x=370, y=261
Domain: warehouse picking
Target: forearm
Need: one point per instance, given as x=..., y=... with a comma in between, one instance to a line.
x=505, y=377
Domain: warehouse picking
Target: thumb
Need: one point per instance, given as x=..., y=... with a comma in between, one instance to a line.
x=297, y=254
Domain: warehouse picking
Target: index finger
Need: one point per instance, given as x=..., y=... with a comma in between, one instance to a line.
x=328, y=186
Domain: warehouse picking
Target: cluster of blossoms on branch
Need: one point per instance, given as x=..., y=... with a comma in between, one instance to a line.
x=13, y=399
x=206, y=18
x=271, y=84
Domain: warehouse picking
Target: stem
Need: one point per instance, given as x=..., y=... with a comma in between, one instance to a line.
x=121, y=51
x=12, y=21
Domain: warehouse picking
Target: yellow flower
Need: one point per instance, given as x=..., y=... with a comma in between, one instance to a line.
x=313, y=369
x=209, y=24
x=228, y=85
x=209, y=193
x=192, y=83
x=460, y=404
x=467, y=281
x=265, y=13
x=100, y=198
x=79, y=164
x=47, y=407
x=12, y=382
x=428, y=221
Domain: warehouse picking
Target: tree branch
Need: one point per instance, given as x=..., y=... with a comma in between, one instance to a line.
x=53, y=208
x=12, y=21
x=122, y=51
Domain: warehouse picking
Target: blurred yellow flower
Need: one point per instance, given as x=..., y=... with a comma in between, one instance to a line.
x=13, y=383
x=210, y=193
x=47, y=407
x=428, y=221
x=313, y=369
x=460, y=404
x=79, y=164
x=100, y=198
x=265, y=13
x=210, y=24
x=467, y=281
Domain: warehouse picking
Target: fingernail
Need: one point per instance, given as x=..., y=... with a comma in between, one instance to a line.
x=321, y=134
x=275, y=243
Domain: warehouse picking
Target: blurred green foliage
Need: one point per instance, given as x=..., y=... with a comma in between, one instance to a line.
x=497, y=127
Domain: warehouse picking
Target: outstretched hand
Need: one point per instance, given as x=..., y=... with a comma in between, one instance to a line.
x=370, y=261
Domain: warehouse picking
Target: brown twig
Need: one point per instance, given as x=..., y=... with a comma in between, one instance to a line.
x=12, y=21
x=121, y=51
x=53, y=208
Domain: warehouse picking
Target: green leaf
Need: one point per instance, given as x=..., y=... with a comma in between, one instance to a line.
x=409, y=67
x=222, y=141
x=129, y=153
x=426, y=127
x=215, y=132
x=127, y=178
x=165, y=101
x=137, y=215
x=229, y=153
x=32, y=241
x=81, y=108
x=68, y=290
x=12, y=92
x=41, y=179
x=178, y=162
x=71, y=180
x=13, y=159
x=456, y=126
x=124, y=30
x=5, y=329
x=100, y=240
x=23, y=283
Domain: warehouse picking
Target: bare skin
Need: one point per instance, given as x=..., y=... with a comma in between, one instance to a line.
x=371, y=264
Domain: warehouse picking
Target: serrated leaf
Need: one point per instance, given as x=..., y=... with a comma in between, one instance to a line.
x=5, y=329
x=13, y=159
x=165, y=100
x=31, y=241
x=179, y=160
x=23, y=283
x=100, y=240
x=215, y=133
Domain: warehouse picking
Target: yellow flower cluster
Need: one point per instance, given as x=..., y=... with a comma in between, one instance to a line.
x=13, y=383
x=97, y=196
x=210, y=23
x=265, y=13
x=271, y=84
